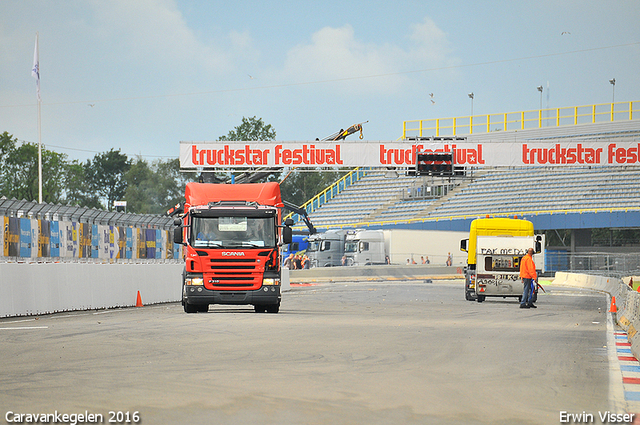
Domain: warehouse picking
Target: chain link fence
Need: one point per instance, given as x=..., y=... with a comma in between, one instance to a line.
x=608, y=264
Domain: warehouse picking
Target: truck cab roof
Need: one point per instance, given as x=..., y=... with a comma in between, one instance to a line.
x=206, y=193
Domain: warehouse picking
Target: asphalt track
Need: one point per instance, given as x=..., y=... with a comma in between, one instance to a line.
x=339, y=353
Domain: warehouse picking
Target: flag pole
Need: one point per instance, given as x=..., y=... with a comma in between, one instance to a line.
x=39, y=153
x=35, y=72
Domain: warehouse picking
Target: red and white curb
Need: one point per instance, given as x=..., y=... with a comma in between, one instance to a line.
x=624, y=372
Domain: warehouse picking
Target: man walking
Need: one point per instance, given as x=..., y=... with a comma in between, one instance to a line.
x=529, y=276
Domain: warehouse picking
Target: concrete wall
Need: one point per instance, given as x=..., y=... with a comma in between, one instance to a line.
x=406, y=244
x=373, y=273
x=627, y=301
x=43, y=288
x=28, y=289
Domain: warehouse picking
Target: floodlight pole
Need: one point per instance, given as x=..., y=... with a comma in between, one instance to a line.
x=613, y=90
x=540, y=90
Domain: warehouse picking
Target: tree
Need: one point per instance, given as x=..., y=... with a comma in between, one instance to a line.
x=19, y=171
x=153, y=189
x=105, y=175
x=251, y=129
x=7, y=146
x=138, y=194
x=77, y=192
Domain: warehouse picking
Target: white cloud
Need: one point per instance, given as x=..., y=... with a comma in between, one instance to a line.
x=155, y=33
x=336, y=54
x=431, y=43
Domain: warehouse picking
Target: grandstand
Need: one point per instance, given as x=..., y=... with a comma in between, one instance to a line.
x=388, y=198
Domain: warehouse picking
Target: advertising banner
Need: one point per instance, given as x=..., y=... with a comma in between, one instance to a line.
x=25, y=237
x=151, y=243
x=141, y=243
x=159, y=244
x=168, y=239
x=55, y=239
x=85, y=240
x=559, y=152
x=95, y=241
x=129, y=243
x=44, y=238
x=72, y=240
x=121, y=237
x=11, y=236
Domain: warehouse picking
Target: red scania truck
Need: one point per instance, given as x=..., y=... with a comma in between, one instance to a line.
x=231, y=234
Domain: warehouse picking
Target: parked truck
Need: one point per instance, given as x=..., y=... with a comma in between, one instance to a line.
x=365, y=247
x=494, y=250
x=299, y=242
x=326, y=249
x=231, y=236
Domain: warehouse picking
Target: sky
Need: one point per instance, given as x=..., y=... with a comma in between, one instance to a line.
x=143, y=75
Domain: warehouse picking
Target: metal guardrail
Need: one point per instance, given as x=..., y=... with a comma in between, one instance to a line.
x=539, y=118
x=57, y=212
x=523, y=213
x=34, y=232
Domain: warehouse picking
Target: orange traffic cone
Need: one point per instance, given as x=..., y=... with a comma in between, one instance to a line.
x=139, y=300
x=614, y=307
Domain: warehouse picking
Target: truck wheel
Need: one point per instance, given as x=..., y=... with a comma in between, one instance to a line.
x=480, y=298
x=273, y=308
x=203, y=308
x=259, y=308
x=468, y=296
x=189, y=308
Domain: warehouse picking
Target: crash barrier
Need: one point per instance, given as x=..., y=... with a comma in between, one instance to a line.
x=43, y=288
x=115, y=237
x=627, y=301
x=373, y=273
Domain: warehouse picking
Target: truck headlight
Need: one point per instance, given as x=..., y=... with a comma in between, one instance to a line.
x=196, y=280
x=269, y=281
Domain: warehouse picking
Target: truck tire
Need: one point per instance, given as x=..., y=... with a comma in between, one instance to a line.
x=259, y=308
x=468, y=296
x=480, y=298
x=273, y=308
x=189, y=308
x=203, y=308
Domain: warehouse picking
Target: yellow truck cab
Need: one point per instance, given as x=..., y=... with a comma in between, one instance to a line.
x=495, y=248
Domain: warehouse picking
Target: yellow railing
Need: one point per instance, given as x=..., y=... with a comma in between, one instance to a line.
x=539, y=118
x=522, y=214
x=330, y=192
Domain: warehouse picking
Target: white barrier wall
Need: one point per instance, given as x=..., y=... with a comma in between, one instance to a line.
x=627, y=301
x=28, y=289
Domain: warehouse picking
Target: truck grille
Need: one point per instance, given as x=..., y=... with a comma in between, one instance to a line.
x=234, y=273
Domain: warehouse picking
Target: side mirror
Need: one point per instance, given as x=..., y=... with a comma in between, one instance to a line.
x=177, y=236
x=464, y=245
x=177, y=222
x=538, y=244
x=287, y=234
x=289, y=222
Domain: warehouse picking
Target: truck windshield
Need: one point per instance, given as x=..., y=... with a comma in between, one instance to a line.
x=233, y=232
x=351, y=246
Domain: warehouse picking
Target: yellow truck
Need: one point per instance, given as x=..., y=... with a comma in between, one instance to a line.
x=495, y=248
